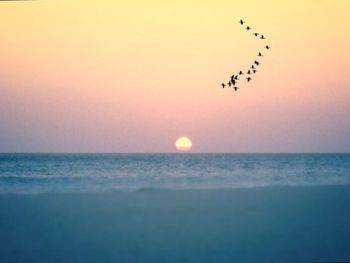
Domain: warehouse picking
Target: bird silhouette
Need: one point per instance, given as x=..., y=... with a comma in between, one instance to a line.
x=241, y=22
x=256, y=34
x=262, y=37
x=249, y=79
x=240, y=72
x=252, y=67
x=267, y=47
x=254, y=71
x=236, y=77
x=248, y=72
x=248, y=28
x=260, y=55
x=235, y=88
x=223, y=85
x=257, y=63
x=233, y=81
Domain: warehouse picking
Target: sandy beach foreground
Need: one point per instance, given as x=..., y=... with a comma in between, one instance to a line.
x=281, y=224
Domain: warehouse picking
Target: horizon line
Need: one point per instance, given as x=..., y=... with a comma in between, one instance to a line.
x=72, y=152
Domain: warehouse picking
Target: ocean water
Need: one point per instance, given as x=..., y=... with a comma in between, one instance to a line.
x=117, y=208
x=42, y=173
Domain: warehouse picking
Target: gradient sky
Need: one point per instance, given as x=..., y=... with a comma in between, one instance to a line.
x=132, y=76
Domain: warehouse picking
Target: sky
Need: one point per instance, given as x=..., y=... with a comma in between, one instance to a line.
x=133, y=76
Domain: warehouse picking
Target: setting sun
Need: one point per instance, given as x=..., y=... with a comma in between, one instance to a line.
x=183, y=144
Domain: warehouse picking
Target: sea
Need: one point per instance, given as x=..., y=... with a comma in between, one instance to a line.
x=43, y=173
x=174, y=208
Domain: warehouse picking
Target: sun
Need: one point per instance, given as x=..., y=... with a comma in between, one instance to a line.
x=183, y=144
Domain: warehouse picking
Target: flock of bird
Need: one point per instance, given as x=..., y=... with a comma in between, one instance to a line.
x=252, y=69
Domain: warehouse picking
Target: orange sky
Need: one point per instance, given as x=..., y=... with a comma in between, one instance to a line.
x=132, y=76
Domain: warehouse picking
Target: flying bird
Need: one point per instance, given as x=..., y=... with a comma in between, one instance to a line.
x=248, y=72
x=241, y=22
x=256, y=34
x=262, y=37
x=254, y=71
x=235, y=88
x=260, y=55
x=248, y=28
x=257, y=63
x=249, y=79
x=229, y=83
x=233, y=81
x=252, y=67
x=223, y=85
x=240, y=73
x=267, y=47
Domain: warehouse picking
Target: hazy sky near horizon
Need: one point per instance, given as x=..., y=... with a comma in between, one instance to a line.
x=132, y=76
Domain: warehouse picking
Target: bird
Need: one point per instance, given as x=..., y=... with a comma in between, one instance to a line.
x=254, y=71
x=223, y=85
x=249, y=79
x=252, y=67
x=248, y=28
x=236, y=77
x=229, y=83
x=233, y=80
x=267, y=47
x=256, y=34
x=235, y=88
x=262, y=37
x=257, y=63
x=248, y=72
x=240, y=72
x=241, y=22
x=260, y=55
